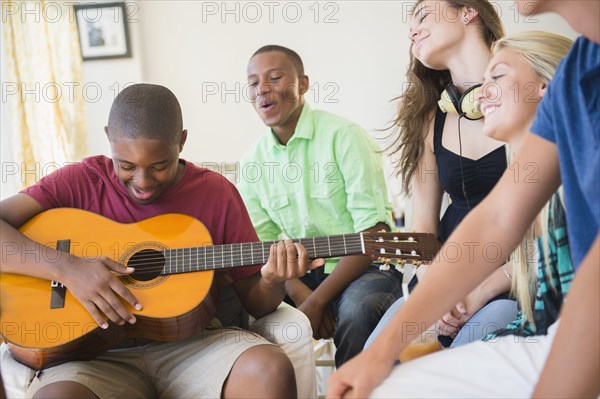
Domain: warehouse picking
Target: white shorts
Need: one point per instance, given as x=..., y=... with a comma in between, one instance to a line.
x=507, y=367
x=193, y=368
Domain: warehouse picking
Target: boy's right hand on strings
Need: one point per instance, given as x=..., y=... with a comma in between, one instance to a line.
x=94, y=284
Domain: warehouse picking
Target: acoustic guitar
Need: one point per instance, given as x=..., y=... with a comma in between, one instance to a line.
x=174, y=262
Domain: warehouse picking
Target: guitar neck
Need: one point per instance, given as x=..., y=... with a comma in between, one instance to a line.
x=217, y=257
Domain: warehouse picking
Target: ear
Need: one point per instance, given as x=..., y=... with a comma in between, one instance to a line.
x=304, y=84
x=469, y=14
x=106, y=131
x=183, y=139
x=542, y=90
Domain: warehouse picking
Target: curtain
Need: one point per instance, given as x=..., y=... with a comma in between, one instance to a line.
x=43, y=90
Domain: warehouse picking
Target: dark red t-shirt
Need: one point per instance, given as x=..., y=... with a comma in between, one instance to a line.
x=92, y=185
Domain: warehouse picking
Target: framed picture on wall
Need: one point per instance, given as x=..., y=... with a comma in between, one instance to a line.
x=103, y=30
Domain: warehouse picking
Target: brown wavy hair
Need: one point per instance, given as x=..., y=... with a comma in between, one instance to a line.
x=424, y=86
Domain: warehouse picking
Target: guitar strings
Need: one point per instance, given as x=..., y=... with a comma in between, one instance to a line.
x=229, y=251
x=151, y=262
x=214, y=258
x=229, y=255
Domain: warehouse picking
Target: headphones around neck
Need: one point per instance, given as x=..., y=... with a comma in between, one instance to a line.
x=466, y=105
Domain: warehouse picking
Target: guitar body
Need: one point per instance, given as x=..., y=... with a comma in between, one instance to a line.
x=174, y=259
x=176, y=306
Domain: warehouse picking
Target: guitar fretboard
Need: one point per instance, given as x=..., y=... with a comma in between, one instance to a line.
x=182, y=260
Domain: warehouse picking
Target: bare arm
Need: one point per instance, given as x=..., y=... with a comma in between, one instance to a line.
x=573, y=366
x=262, y=293
x=500, y=222
x=427, y=193
x=257, y=297
x=15, y=211
x=315, y=304
x=348, y=269
x=297, y=291
x=495, y=284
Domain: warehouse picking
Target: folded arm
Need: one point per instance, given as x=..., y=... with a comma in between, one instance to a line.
x=495, y=284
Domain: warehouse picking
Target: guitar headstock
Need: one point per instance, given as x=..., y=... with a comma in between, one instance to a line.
x=401, y=247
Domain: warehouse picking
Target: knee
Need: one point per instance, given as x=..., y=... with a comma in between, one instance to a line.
x=65, y=389
x=270, y=363
x=264, y=370
x=276, y=365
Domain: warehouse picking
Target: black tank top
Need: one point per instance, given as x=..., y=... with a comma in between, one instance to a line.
x=480, y=177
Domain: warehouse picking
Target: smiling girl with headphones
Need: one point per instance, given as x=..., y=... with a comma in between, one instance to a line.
x=441, y=147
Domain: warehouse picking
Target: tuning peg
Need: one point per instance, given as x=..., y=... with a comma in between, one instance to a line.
x=400, y=265
x=398, y=252
x=385, y=265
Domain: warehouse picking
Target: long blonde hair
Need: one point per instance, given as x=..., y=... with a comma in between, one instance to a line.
x=543, y=51
x=424, y=86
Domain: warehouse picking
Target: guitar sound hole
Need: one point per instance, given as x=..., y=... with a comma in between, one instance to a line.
x=148, y=264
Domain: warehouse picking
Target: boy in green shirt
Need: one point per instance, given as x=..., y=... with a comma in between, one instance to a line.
x=314, y=174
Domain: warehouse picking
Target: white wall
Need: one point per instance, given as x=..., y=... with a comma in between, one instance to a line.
x=356, y=62
x=104, y=79
x=355, y=53
x=349, y=54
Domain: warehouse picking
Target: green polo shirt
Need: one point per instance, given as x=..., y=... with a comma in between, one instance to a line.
x=327, y=180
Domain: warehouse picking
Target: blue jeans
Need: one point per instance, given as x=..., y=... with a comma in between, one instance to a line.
x=360, y=307
x=493, y=316
x=496, y=314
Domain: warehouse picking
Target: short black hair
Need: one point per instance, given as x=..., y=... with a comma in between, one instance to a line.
x=289, y=53
x=146, y=111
